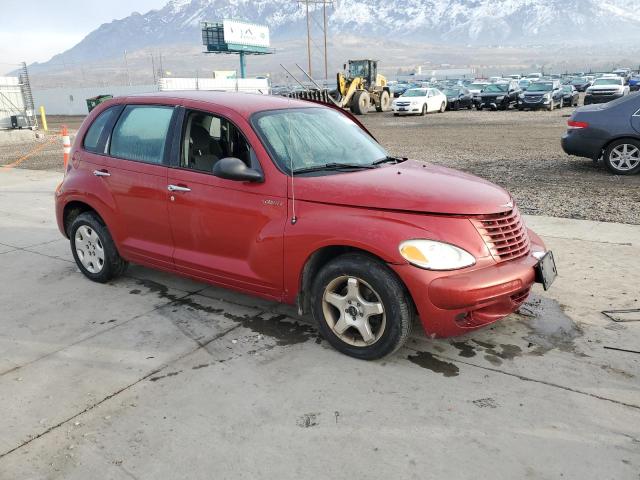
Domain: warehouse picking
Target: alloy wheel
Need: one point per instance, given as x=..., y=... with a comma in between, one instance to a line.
x=89, y=249
x=354, y=311
x=625, y=157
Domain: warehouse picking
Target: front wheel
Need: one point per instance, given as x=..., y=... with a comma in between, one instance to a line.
x=363, y=310
x=622, y=157
x=93, y=249
x=385, y=102
x=423, y=112
x=443, y=107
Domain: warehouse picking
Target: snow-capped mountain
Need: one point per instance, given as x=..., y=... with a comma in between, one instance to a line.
x=450, y=21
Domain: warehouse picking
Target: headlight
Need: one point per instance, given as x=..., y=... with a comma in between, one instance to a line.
x=433, y=255
x=499, y=99
x=547, y=96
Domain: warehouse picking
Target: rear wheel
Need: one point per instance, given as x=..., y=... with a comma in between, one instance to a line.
x=423, y=112
x=385, y=102
x=93, y=249
x=551, y=106
x=561, y=103
x=622, y=157
x=360, y=102
x=362, y=308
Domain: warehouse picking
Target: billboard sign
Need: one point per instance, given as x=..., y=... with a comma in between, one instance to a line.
x=249, y=34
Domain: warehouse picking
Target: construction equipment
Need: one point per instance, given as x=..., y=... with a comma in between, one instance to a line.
x=358, y=89
x=362, y=87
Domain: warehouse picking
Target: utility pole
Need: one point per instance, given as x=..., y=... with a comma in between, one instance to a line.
x=322, y=26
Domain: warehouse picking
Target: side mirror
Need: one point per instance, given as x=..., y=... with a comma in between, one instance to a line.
x=232, y=168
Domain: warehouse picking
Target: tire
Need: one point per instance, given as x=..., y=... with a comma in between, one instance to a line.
x=616, y=149
x=470, y=106
x=385, y=102
x=396, y=114
x=93, y=249
x=561, y=104
x=479, y=107
x=423, y=112
x=551, y=106
x=354, y=277
x=443, y=107
x=360, y=102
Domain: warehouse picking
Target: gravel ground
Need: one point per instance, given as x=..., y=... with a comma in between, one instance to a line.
x=517, y=150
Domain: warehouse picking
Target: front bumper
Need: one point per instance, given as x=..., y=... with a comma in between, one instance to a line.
x=591, y=99
x=406, y=110
x=454, y=303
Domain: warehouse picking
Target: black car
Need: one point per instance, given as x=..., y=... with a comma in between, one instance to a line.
x=458, y=98
x=581, y=83
x=610, y=131
x=499, y=96
x=570, y=96
x=542, y=94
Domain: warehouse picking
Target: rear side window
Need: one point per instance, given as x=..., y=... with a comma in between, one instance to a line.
x=141, y=133
x=92, y=138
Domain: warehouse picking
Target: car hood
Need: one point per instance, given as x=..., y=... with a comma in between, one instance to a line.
x=410, y=186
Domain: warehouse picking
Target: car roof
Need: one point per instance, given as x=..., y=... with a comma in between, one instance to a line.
x=243, y=103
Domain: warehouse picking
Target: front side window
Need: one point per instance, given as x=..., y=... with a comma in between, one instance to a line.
x=141, y=133
x=208, y=138
x=92, y=138
x=311, y=137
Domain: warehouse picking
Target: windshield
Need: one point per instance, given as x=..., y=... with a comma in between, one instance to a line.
x=451, y=92
x=415, y=92
x=495, y=87
x=567, y=88
x=477, y=86
x=312, y=137
x=579, y=81
x=608, y=81
x=540, y=87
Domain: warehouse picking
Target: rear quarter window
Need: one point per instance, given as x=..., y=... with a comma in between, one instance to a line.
x=141, y=133
x=94, y=134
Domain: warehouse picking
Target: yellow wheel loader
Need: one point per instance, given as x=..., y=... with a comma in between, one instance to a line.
x=359, y=88
x=362, y=87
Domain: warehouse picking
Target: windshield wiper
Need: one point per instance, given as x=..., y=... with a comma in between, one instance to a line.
x=332, y=166
x=394, y=160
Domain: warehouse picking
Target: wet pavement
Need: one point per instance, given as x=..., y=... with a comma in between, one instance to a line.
x=156, y=376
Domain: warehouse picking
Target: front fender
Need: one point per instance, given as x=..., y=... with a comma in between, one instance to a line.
x=377, y=232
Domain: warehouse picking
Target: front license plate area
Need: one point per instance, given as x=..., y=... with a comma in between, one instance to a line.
x=546, y=271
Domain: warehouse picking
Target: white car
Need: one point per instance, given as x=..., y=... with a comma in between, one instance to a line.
x=420, y=101
x=605, y=89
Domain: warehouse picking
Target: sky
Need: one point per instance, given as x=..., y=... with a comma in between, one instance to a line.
x=35, y=30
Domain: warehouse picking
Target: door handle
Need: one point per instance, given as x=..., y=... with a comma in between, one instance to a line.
x=101, y=173
x=178, y=188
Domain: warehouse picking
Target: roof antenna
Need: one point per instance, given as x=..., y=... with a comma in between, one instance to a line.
x=294, y=218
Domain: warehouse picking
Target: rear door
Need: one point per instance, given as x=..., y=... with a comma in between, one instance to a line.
x=226, y=231
x=135, y=172
x=635, y=119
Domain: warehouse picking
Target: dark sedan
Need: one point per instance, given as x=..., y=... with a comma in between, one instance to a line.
x=458, y=98
x=581, y=83
x=610, y=131
x=570, y=96
x=499, y=96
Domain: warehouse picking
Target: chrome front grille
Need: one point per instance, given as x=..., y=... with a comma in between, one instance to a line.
x=504, y=233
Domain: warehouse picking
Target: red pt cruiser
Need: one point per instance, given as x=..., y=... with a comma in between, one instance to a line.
x=295, y=202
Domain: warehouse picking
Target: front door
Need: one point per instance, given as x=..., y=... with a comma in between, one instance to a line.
x=135, y=171
x=226, y=231
x=635, y=120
